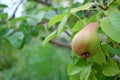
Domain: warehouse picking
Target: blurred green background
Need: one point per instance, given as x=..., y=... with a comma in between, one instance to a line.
x=35, y=62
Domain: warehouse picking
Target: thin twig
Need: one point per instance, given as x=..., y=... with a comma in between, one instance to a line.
x=59, y=43
x=13, y=15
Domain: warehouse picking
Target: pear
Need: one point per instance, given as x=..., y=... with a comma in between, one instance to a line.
x=86, y=42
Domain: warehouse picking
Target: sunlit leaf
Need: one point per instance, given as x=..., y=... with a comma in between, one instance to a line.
x=83, y=7
x=55, y=19
x=62, y=24
x=49, y=37
x=115, y=20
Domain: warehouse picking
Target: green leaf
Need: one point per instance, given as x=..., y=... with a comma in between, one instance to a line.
x=49, y=37
x=72, y=69
x=83, y=7
x=72, y=20
x=55, y=19
x=111, y=69
x=49, y=14
x=74, y=77
x=109, y=29
x=109, y=49
x=85, y=73
x=4, y=16
x=115, y=20
x=78, y=25
x=99, y=57
x=16, y=39
x=76, y=68
x=3, y=6
x=14, y=20
x=95, y=17
x=62, y=24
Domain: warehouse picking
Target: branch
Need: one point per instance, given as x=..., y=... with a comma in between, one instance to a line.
x=59, y=43
x=68, y=33
x=44, y=3
x=13, y=16
x=116, y=58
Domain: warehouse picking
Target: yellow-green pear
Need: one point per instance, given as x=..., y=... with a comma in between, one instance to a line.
x=86, y=43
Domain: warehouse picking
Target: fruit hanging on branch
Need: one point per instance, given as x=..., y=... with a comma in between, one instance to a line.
x=86, y=42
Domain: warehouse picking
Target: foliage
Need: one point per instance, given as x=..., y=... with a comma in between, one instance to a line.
x=53, y=20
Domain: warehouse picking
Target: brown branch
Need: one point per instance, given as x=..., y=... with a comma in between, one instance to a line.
x=59, y=43
x=13, y=15
x=116, y=58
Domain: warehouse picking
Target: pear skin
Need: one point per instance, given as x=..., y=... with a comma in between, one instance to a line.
x=86, y=43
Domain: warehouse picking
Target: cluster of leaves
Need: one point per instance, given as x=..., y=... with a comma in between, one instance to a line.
x=105, y=12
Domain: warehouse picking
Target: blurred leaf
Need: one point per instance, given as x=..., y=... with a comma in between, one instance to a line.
x=109, y=29
x=72, y=20
x=14, y=20
x=74, y=77
x=85, y=73
x=40, y=16
x=3, y=16
x=25, y=27
x=31, y=21
x=95, y=17
x=49, y=37
x=16, y=39
x=78, y=26
x=83, y=7
x=34, y=31
x=55, y=19
x=115, y=20
x=112, y=68
x=49, y=14
x=109, y=49
x=10, y=31
x=3, y=6
x=75, y=69
x=2, y=33
x=62, y=24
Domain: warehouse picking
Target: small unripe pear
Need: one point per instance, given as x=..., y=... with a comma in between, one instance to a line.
x=86, y=42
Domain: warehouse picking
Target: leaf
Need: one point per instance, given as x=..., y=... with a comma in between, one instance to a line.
x=111, y=69
x=111, y=50
x=78, y=26
x=72, y=20
x=14, y=20
x=16, y=39
x=62, y=24
x=55, y=19
x=3, y=6
x=109, y=29
x=72, y=69
x=83, y=7
x=115, y=20
x=49, y=37
x=95, y=17
x=3, y=16
x=85, y=73
x=76, y=68
x=49, y=14
x=74, y=77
